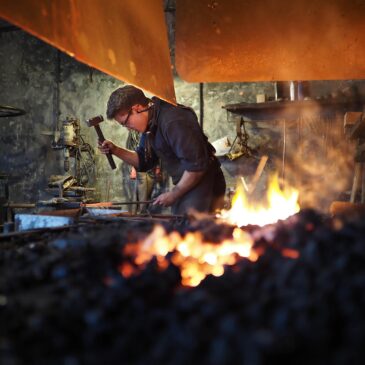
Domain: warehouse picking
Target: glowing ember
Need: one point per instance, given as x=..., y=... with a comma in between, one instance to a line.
x=195, y=258
x=280, y=204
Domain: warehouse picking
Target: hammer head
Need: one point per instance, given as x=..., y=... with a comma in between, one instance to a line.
x=93, y=122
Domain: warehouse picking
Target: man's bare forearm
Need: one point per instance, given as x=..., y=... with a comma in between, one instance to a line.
x=188, y=180
x=128, y=156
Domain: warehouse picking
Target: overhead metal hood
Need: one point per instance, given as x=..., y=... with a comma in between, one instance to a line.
x=125, y=39
x=250, y=40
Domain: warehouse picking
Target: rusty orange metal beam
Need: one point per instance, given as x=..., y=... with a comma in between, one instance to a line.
x=267, y=40
x=126, y=39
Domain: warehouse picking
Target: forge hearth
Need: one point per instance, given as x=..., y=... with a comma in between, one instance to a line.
x=64, y=301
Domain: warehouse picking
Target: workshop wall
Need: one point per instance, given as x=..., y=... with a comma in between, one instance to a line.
x=52, y=86
x=26, y=82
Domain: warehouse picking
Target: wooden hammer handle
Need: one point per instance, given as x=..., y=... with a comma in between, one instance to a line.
x=108, y=155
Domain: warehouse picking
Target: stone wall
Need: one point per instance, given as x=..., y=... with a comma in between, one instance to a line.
x=51, y=86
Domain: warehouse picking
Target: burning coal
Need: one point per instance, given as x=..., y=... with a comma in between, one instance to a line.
x=63, y=300
x=196, y=257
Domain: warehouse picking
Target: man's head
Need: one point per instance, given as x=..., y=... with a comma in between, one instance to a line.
x=127, y=105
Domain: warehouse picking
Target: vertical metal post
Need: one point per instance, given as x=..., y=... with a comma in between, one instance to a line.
x=56, y=89
x=284, y=153
x=201, y=102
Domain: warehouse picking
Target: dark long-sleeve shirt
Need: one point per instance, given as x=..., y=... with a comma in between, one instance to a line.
x=176, y=138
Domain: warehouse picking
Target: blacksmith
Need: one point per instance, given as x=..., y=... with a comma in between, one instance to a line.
x=173, y=135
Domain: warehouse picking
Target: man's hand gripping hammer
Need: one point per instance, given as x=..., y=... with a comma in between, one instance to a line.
x=94, y=122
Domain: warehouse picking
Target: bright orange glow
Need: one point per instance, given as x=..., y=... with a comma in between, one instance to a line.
x=280, y=204
x=195, y=258
x=290, y=253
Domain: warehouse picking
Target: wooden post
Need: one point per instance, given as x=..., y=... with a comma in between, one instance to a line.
x=357, y=178
x=363, y=184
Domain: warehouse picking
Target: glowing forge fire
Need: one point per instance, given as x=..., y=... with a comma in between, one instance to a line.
x=195, y=258
x=281, y=204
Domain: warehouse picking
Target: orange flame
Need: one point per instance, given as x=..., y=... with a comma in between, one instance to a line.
x=281, y=204
x=195, y=258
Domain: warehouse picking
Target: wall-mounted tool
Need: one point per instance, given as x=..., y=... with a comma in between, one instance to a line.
x=240, y=145
x=70, y=140
x=94, y=122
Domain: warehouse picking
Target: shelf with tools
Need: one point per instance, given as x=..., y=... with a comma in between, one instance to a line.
x=292, y=110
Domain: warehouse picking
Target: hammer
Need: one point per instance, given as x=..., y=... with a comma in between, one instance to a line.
x=94, y=122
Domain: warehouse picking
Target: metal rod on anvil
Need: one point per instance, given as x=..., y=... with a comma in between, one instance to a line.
x=130, y=217
x=133, y=202
x=114, y=204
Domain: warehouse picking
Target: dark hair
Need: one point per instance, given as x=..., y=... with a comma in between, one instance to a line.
x=123, y=98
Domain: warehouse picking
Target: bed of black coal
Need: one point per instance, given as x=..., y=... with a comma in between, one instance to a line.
x=63, y=300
